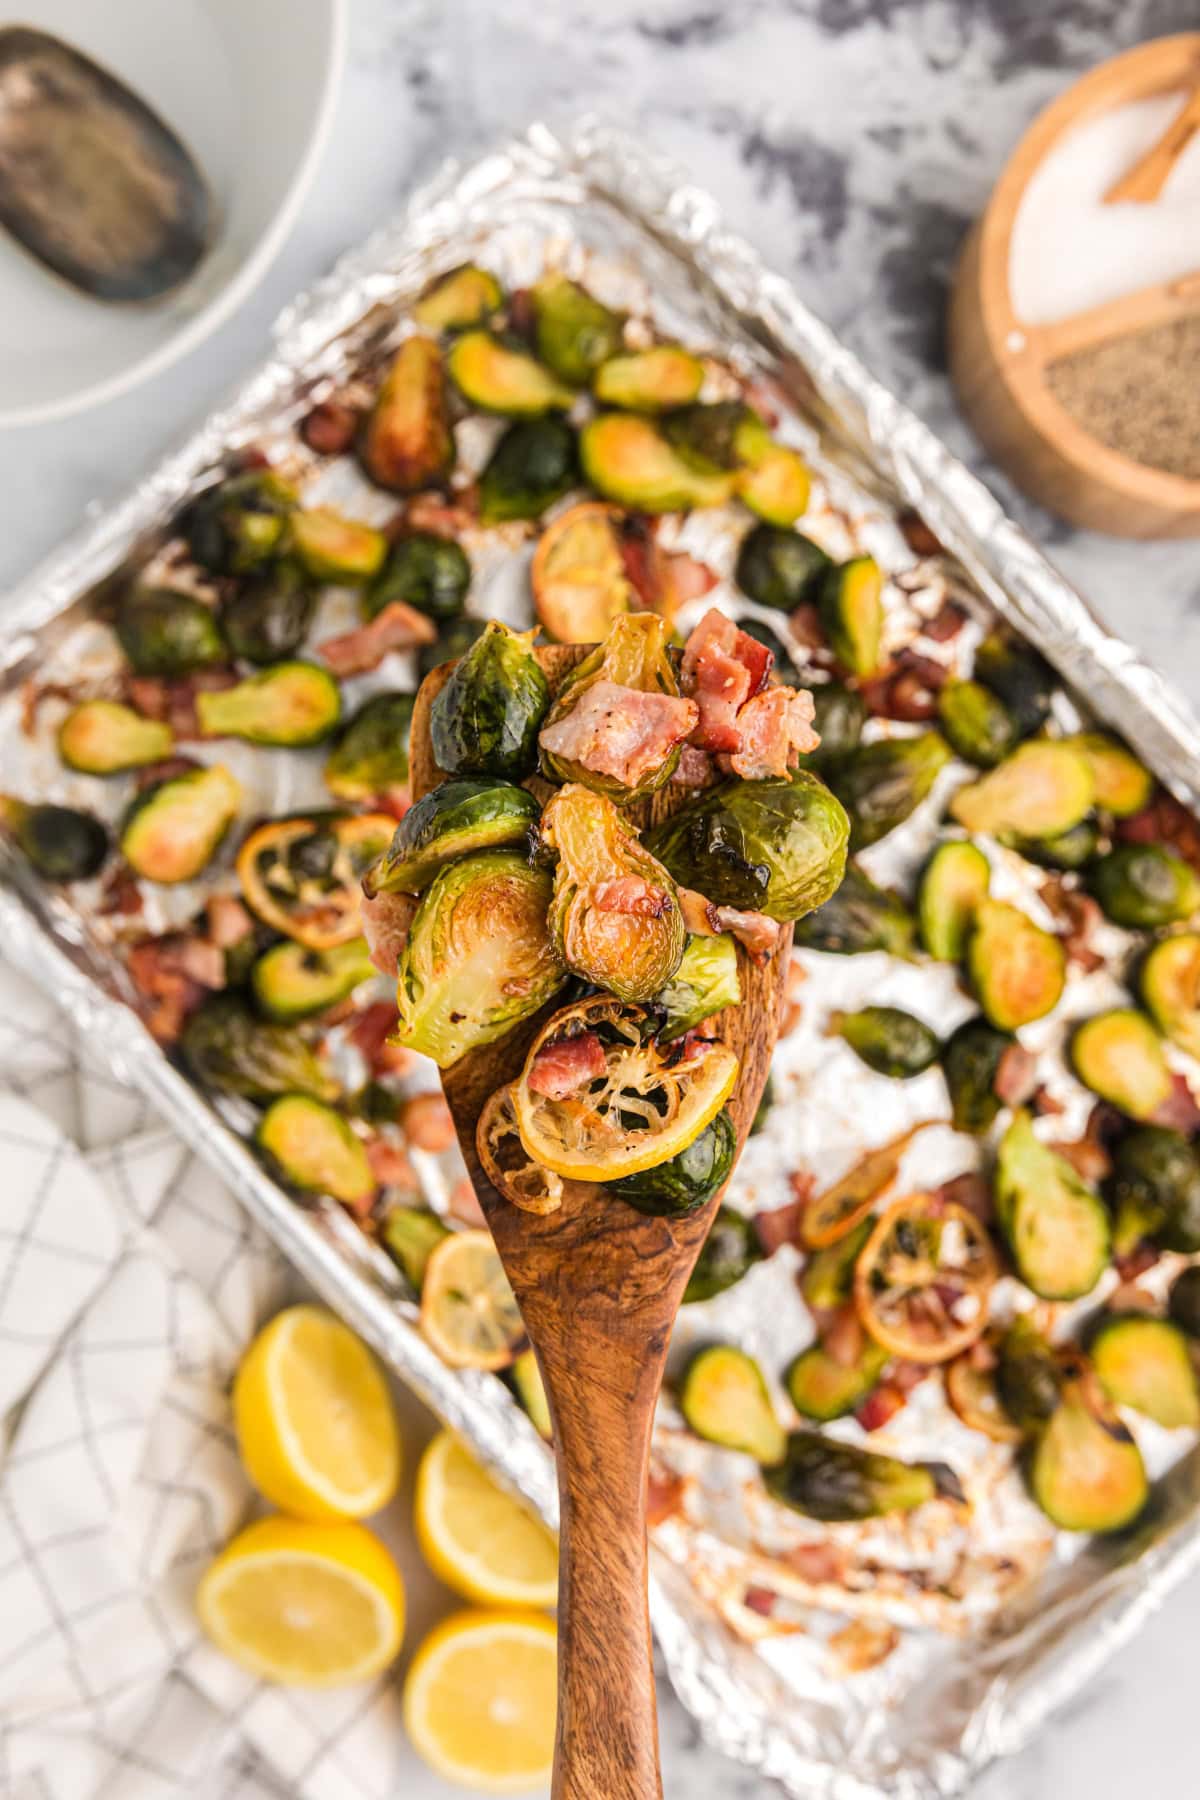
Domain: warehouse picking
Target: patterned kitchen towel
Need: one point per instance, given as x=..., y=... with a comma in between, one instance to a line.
x=130, y=1282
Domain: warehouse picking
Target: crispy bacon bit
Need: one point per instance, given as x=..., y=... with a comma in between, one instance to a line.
x=722, y=668
x=330, y=427
x=917, y=534
x=1046, y=1105
x=443, y=518
x=520, y=312
x=821, y=1563
x=1016, y=1076
x=148, y=695
x=371, y=1030
x=463, y=1204
x=397, y=627
x=1164, y=821
x=631, y=895
x=781, y=1224
x=120, y=893
x=805, y=628
x=390, y=1164
x=426, y=1122
x=908, y=690
x=764, y=396
x=1136, y=1262
x=776, y=728
x=396, y=801
x=945, y=624
x=843, y=1337
x=862, y=1644
x=880, y=1407
x=663, y=580
x=1089, y=1159
x=695, y=768
x=150, y=774
x=172, y=973
x=664, y=1495
x=174, y=702
x=759, y=1600
x=228, y=920
x=1178, y=1111
x=1081, y=916
x=619, y=731
x=753, y=930
x=567, y=1064
x=970, y=1189
x=385, y=922
x=699, y=914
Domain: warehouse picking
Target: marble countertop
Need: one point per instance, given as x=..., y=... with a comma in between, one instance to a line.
x=852, y=141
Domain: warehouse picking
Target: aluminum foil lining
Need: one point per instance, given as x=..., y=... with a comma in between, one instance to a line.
x=978, y=1667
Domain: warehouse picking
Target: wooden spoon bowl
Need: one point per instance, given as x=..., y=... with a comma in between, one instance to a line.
x=599, y=1286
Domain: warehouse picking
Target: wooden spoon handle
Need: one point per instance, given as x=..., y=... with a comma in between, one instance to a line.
x=1148, y=176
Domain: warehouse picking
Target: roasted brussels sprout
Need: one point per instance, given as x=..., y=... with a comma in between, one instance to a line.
x=501, y=378
x=407, y=442
x=1142, y=886
x=330, y=547
x=535, y=463
x=976, y=723
x=410, y=1235
x=1145, y=1363
x=530, y=1390
x=1123, y=785
x=166, y=633
x=452, y=641
x=578, y=575
x=1018, y=970
x=615, y=918
x=455, y=301
x=1085, y=1471
x=1029, y=1378
x=881, y=784
x=1118, y=1054
x=729, y=1252
x=706, y=982
x=971, y=1059
x=1072, y=849
x=429, y=572
x=829, y=1480
x=62, y=843
x=1183, y=1303
x=859, y=917
x=290, y=981
x=839, y=713
x=302, y=875
x=828, y=1277
x=486, y=718
x=1042, y=788
x=633, y=655
x=725, y=434
x=888, y=1040
x=1154, y=1191
x=1019, y=676
x=822, y=1388
x=102, y=737
x=776, y=847
x=371, y=753
x=267, y=617
x=238, y=524
x=228, y=1047
x=573, y=332
x=689, y=1180
x=288, y=705
x=174, y=828
x=452, y=820
x=479, y=957
x=627, y=459
x=781, y=569
x=724, y=1399
x=953, y=882
x=1169, y=981
x=650, y=381
x=851, y=603
x=777, y=486
x=1055, y=1226
x=315, y=1149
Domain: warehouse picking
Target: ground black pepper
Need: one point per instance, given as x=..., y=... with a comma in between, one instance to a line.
x=1140, y=395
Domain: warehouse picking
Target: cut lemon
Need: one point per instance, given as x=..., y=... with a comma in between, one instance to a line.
x=469, y=1313
x=478, y=1539
x=923, y=1277
x=307, y=1605
x=480, y=1700
x=315, y=1423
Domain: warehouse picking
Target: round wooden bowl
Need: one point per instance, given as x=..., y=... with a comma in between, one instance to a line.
x=998, y=364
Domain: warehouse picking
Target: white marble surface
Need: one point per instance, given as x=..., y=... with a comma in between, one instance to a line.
x=851, y=140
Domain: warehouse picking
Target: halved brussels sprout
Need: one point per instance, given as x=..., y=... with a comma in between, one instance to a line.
x=825, y=1479
x=578, y=575
x=486, y=718
x=330, y=547
x=1183, y=1303
x=102, y=737
x=239, y=523
x=881, y=784
x=781, y=569
x=1019, y=676
x=828, y=1278
x=633, y=655
x=615, y=917
x=429, y=572
x=1169, y=981
x=724, y=434
x=166, y=633
x=499, y=378
x=888, y=1040
x=729, y=1252
x=1029, y=1377
x=290, y=981
x=452, y=820
x=776, y=486
x=62, y=843
x=859, y=917
x=626, y=458
x=371, y=754
x=1042, y=788
x=530, y=1390
x=689, y=1180
x=267, y=617
x=302, y=875
x=650, y=381
x=288, y=705
x=535, y=463
x=1018, y=970
x=1123, y=785
x=775, y=847
x=1118, y=1054
x=822, y=1388
x=1085, y=1471
x=479, y=957
x=463, y=297
x=953, y=882
x=315, y=1149
x=976, y=723
x=1142, y=886
x=724, y=1399
x=1072, y=849
x=971, y=1058
x=174, y=828
x=573, y=331
x=410, y=1235
x=1056, y=1227
x=839, y=713
x=706, y=982
x=1154, y=1191
x=851, y=603
x=1145, y=1363
x=407, y=442
x=972, y=1392
x=232, y=1049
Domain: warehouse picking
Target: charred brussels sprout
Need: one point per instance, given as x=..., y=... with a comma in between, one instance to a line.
x=1055, y=1226
x=781, y=569
x=578, y=575
x=174, y=828
x=463, y=297
x=1018, y=970
x=976, y=723
x=725, y=434
x=828, y=1278
x=573, y=332
x=231, y=1049
x=452, y=820
x=776, y=486
x=729, y=1252
x=410, y=1235
x=479, y=957
x=530, y=1390
x=859, y=917
x=724, y=1399
x=649, y=381
x=267, y=617
x=102, y=737
x=535, y=463
x=1184, y=1302
x=627, y=459
x=1029, y=1379
x=776, y=847
x=452, y=641
x=289, y=705
x=706, y=982
x=1144, y=1363
x=839, y=714
x=615, y=918
x=1169, y=980
x=315, y=1150
x=851, y=604
x=166, y=633
x=499, y=378
x=1085, y=1471
x=330, y=547
x=971, y=1058
x=429, y=572
x=1119, y=1056
x=371, y=754
x=290, y=981
x=1042, y=788
x=953, y=882
x=1072, y=849
x=239, y=524
x=881, y=784
x=822, y=1388
x=61, y=843
x=633, y=655
x=1142, y=886
x=1019, y=676
x=825, y=1479
x=486, y=718
x=407, y=442
x=888, y=1040
x=1123, y=785
x=689, y=1180
x=1154, y=1191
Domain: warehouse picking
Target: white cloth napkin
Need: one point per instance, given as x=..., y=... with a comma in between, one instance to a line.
x=130, y=1282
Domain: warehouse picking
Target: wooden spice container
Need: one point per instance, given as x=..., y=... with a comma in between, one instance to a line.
x=1129, y=367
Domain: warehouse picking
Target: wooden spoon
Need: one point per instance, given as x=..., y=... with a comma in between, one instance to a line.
x=1148, y=176
x=599, y=1286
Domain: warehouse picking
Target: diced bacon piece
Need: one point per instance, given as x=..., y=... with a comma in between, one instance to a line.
x=722, y=668
x=695, y=768
x=632, y=895
x=390, y=1164
x=620, y=732
x=463, y=1204
x=443, y=518
x=148, y=694
x=880, y=1407
x=972, y=1190
x=228, y=920
x=699, y=914
x=821, y=1563
x=426, y=1122
x=1179, y=1111
x=759, y=1600
x=203, y=962
x=564, y=1066
x=917, y=534
x=150, y=774
x=396, y=627
x=369, y=1036
x=172, y=974
x=664, y=1495
x=945, y=624
x=120, y=893
x=330, y=427
x=780, y=1224
x=1136, y=1262
x=1016, y=1076
x=775, y=728
x=753, y=930
x=843, y=1337
x=385, y=922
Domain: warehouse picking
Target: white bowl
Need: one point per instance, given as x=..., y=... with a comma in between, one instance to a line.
x=250, y=86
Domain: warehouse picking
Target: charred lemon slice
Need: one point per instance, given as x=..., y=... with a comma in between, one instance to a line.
x=469, y=1312
x=578, y=576
x=973, y=1394
x=832, y=1215
x=304, y=875
x=507, y=1164
x=922, y=1282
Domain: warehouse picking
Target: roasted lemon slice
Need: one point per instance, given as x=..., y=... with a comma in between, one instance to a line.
x=922, y=1281
x=469, y=1312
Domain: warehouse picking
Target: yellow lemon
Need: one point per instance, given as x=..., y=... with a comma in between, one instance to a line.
x=478, y=1539
x=469, y=1313
x=479, y=1701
